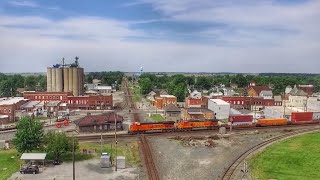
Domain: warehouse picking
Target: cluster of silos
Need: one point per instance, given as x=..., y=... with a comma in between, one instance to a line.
x=65, y=79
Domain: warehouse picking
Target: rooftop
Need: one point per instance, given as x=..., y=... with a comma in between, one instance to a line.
x=11, y=100
x=198, y=110
x=167, y=96
x=99, y=119
x=103, y=88
x=33, y=156
x=172, y=108
x=30, y=104
x=219, y=101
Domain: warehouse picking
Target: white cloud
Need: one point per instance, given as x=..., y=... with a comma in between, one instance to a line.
x=30, y=4
x=257, y=37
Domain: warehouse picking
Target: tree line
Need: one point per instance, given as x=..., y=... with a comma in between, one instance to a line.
x=178, y=84
x=10, y=83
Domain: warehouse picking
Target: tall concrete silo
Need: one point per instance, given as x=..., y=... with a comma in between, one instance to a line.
x=53, y=81
x=65, y=79
x=81, y=80
x=75, y=81
x=59, y=80
x=70, y=81
x=49, y=79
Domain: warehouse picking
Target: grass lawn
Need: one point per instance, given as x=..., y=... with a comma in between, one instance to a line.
x=297, y=158
x=8, y=166
x=130, y=150
x=157, y=117
x=136, y=94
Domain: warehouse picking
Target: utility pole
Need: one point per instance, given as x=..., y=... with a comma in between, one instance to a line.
x=115, y=137
x=73, y=160
x=101, y=143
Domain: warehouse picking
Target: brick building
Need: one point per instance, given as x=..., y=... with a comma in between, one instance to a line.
x=197, y=114
x=164, y=100
x=90, y=102
x=8, y=106
x=47, y=96
x=73, y=102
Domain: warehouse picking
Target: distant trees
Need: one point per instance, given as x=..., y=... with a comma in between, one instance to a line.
x=10, y=83
x=177, y=84
x=111, y=78
x=29, y=135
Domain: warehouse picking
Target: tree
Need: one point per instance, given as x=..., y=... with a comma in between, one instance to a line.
x=145, y=85
x=29, y=135
x=58, y=143
x=180, y=92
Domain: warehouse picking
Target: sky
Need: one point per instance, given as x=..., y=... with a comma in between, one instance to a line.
x=245, y=36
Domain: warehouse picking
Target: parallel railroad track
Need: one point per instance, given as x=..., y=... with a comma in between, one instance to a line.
x=148, y=159
x=233, y=167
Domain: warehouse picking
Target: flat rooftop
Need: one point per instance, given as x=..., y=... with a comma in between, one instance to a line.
x=219, y=101
x=11, y=100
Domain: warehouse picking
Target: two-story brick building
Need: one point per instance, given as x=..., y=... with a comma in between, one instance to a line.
x=163, y=100
x=8, y=106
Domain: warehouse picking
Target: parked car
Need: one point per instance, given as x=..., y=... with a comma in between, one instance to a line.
x=32, y=169
x=56, y=162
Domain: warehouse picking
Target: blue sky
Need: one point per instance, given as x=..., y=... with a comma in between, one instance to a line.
x=167, y=35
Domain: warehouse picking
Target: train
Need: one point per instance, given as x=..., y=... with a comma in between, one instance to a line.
x=241, y=121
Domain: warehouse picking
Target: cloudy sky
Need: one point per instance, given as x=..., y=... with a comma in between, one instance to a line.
x=161, y=35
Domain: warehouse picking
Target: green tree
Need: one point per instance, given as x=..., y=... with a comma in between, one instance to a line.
x=180, y=91
x=29, y=135
x=145, y=85
x=58, y=143
x=30, y=83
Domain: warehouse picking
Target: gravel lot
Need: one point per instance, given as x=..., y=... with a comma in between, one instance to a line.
x=177, y=161
x=85, y=170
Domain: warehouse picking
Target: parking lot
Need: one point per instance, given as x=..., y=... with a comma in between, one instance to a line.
x=89, y=169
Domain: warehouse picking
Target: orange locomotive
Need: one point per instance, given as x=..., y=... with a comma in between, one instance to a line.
x=138, y=127
x=196, y=124
x=171, y=126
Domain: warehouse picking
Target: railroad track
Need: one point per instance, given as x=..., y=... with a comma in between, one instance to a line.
x=129, y=101
x=233, y=167
x=148, y=158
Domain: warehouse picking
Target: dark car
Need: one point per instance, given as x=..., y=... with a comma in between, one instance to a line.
x=33, y=169
x=56, y=162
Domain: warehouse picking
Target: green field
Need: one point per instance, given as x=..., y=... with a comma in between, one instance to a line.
x=157, y=117
x=129, y=150
x=8, y=165
x=297, y=158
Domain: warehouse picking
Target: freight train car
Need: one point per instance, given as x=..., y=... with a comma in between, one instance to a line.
x=241, y=120
x=196, y=124
x=271, y=122
x=138, y=127
x=301, y=117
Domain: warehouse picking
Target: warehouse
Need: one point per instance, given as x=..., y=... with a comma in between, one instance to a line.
x=220, y=108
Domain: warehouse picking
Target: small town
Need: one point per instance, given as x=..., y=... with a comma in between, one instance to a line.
x=159, y=90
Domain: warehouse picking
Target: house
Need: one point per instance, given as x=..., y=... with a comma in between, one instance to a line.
x=172, y=113
x=296, y=101
x=197, y=114
x=254, y=91
x=307, y=89
x=195, y=95
x=288, y=89
x=228, y=91
x=164, y=100
x=150, y=96
x=99, y=123
x=220, y=108
x=266, y=94
x=297, y=92
x=234, y=86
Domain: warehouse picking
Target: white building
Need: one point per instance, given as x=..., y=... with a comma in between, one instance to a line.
x=296, y=101
x=313, y=103
x=220, y=108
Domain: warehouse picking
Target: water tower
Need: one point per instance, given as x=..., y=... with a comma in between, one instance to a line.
x=141, y=70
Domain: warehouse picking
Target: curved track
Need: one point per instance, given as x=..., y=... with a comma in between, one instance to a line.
x=233, y=167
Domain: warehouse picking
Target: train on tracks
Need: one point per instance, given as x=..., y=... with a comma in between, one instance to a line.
x=245, y=121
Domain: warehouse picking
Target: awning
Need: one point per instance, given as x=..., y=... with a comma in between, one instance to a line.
x=33, y=156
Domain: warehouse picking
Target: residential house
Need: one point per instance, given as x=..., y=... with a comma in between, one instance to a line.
x=266, y=94
x=307, y=89
x=195, y=95
x=197, y=114
x=228, y=91
x=254, y=91
x=172, y=113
